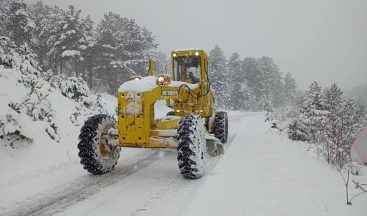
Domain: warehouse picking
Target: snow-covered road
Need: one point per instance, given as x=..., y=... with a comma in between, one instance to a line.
x=261, y=173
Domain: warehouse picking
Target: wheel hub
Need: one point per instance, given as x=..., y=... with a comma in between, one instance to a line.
x=105, y=150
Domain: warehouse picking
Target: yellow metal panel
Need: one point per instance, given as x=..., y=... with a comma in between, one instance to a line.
x=166, y=123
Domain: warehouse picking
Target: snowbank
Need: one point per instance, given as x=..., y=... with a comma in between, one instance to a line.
x=24, y=159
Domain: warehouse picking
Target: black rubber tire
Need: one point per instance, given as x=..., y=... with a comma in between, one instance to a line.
x=221, y=126
x=89, y=145
x=171, y=113
x=191, y=147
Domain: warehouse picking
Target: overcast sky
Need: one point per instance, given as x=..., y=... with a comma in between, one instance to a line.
x=322, y=40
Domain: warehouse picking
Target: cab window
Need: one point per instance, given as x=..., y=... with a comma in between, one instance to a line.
x=187, y=69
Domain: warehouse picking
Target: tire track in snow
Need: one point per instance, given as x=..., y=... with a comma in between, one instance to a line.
x=82, y=188
x=78, y=190
x=169, y=192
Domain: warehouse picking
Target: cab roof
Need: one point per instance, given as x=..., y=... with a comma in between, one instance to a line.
x=189, y=51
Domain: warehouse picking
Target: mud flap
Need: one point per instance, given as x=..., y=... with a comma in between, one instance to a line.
x=214, y=146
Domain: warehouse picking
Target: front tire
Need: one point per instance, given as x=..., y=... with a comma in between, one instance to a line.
x=221, y=126
x=96, y=157
x=191, y=147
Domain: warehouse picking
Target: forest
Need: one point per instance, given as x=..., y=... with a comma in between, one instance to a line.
x=106, y=54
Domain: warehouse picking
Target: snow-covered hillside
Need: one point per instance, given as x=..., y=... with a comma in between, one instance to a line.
x=25, y=159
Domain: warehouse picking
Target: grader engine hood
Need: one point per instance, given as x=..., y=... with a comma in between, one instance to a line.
x=151, y=88
x=136, y=99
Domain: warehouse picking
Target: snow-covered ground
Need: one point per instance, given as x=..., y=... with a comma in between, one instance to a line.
x=261, y=173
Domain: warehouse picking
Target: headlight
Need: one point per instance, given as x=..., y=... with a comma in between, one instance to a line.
x=174, y=55
x=135, y=78
x=197, y=53
x=160, y=79
x=163, y=79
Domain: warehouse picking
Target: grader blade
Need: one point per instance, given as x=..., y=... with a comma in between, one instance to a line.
x=214, y=146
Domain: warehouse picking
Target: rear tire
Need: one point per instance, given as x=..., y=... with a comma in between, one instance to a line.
x=191, y=147
x=96, y=157
x=221, y=126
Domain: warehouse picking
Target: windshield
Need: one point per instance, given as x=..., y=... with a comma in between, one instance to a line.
x=187, y=69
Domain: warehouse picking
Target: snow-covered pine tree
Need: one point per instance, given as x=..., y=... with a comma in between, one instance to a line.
x=344, y=121
x=11, y=129
x=89, y=52
x=333, y=103
x=272, y=81
x=3, y=7
x=88, y=106
x=246, y=100
x=329, y=120
x=289, y=89
x=22, y=58
x=35, y=103
x=308, y=125
x=49, y=30
x=74, y=88
x=67, y=41
x=162, y=63
x=43, y=17
x=17, y=22
x=256, y=81
x=6, y=47
x=124, y=47
x=218, y=75
x=88, y=103
x=53, y=79
x=242, y=96
x=236, y=78
x=105, y=73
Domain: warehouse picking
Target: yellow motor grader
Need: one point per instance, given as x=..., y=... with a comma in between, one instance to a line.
x=192, y=127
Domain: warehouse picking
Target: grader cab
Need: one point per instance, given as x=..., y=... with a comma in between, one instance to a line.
x=192, y=127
